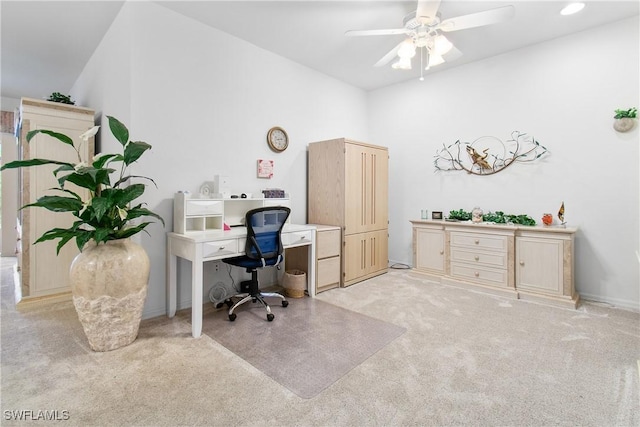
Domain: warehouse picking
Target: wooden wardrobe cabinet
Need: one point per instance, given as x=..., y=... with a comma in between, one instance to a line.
x=43, y=273
x=348, y=187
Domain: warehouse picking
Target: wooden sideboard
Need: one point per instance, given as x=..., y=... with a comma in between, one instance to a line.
x=530, y=263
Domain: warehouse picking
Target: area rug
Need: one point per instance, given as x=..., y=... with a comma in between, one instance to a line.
x=307, y=347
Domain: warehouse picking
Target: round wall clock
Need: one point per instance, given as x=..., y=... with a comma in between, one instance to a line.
x=277, y=139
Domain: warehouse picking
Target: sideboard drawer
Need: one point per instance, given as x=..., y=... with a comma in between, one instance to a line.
x=489, y=259
x=296, y=238
x=219, y=248
x=479, y=241
x=486, y=275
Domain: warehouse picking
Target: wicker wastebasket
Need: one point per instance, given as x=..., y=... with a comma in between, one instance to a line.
x=294, y=283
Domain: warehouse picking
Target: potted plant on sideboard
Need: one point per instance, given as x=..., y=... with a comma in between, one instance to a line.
x=110, y=275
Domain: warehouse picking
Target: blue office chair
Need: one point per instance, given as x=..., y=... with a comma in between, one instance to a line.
x=263, y=248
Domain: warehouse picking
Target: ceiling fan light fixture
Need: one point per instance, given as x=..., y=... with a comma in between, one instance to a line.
x=441, y=45
x=572, y=8
x=407, y=50
x=402, y=64
x=434, y=59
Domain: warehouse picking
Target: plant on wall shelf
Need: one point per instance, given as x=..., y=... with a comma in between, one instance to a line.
x=624, y=119
x=631, y=113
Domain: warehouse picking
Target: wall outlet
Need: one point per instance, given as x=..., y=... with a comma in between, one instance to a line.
x=216, y=266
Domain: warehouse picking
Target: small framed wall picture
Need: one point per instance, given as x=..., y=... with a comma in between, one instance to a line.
x=265, y=168
x=436, y=215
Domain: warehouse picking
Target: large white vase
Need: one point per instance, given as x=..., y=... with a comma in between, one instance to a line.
x=109, y=285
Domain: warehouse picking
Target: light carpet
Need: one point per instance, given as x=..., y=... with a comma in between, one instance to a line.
x=307, y=347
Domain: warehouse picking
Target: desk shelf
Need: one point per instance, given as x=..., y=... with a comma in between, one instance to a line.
x=195, y=215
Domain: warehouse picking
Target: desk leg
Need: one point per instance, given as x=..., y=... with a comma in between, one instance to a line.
x=311, y=262
x=196, y=297
x=172, y=282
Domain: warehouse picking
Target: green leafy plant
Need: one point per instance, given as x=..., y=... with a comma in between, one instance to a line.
x=460, y=215
x=107, y=214
x=631, y=113
x=497, y=217
x=58, y=97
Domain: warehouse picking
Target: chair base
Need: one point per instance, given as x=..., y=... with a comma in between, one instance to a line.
x=254, y=295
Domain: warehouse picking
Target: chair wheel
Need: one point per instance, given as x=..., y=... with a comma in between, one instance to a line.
x=285, y=303
x=232, y=317
x=270, y=317
x=218, y=305
x=229, y=302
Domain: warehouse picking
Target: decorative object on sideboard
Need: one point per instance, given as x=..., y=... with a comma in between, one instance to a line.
x=108, y=300
x=476, y=214
x=497, y=217
x=547, y=219
x=623, y=120
x=488, y=155
x=561, y=214
x=436, y=214
x=277, y=139
x=63, y=99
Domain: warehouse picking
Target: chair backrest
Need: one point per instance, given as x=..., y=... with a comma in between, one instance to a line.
x=264, y=228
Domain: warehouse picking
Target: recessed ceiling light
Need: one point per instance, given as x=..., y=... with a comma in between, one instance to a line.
x=572, y=8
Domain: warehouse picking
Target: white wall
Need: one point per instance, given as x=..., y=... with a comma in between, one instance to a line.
x=204, y=100
x=563, y=92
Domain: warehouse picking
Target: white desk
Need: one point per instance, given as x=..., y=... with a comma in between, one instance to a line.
x=199, y=247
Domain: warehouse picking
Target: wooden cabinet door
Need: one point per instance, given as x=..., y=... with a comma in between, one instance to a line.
x=378, y=191
x=354, y=257
x=378, y=251
x=364, y=254
x=44, y=272
x=366, y=189
x=429, y=249
x=539, y=265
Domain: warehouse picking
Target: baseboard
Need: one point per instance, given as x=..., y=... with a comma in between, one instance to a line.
x=28, y=303
x=614, y=302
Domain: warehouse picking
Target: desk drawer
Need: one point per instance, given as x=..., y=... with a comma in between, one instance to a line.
x=219, y=248
x=296, y=238
x=328, y=272
x=328, y=243
x=204, y=207
x=489, y=259
x=479, y=241
x=486, y=275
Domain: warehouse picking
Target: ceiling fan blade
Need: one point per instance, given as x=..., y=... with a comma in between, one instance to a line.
x=427, y=9
x=375, y=32
x=479, y=19
x=389, y=56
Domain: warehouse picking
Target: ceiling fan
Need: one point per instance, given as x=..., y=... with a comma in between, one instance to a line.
x=424, y=29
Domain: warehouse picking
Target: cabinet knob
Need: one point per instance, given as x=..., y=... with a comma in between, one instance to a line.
x=521, y=262
x=221, y=248
x=477, y=274
x=476, y=257
x=476, y=241
x=441, y=252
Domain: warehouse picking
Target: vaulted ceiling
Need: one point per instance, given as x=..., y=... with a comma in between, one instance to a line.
x=45, y=44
